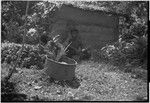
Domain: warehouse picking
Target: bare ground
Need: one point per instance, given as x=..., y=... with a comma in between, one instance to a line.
x=94, y=82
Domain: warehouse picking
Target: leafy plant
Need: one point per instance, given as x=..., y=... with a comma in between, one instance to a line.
x=123, y=52
x=29, y=57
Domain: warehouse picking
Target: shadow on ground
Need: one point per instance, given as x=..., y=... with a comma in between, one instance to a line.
x=74, y=83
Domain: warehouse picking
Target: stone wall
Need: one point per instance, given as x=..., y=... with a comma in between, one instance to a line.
x=95, y=28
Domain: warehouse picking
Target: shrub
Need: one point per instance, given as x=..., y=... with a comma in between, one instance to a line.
x=29, y=57
x=14, y=32
x=32, y=37
x=124, y=52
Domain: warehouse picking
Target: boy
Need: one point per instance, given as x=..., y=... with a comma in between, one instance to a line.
x=51, y=47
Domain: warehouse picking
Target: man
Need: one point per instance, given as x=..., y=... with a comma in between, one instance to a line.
x=76, y=46
x=75, y=50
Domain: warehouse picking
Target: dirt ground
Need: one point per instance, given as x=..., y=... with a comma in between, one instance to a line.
x=93, y=82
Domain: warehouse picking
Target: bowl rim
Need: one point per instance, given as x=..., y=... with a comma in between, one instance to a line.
x=75, y=63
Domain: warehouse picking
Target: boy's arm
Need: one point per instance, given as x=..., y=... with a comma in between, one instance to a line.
x=61, y=52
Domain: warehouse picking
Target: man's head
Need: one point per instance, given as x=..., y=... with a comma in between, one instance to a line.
x=74, y=33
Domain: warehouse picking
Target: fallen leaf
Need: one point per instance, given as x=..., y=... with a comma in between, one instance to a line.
x=37, y=87
x=70, y=94
x=58, y=92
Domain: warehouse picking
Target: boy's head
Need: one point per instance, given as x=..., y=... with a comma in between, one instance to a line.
x=44, y=39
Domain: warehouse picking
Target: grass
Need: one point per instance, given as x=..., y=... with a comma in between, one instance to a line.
x=95, y=82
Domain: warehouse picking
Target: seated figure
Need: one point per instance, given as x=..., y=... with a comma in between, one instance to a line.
x=76, y=44
x=76, y=49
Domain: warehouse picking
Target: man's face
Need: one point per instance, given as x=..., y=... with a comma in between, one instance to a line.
x=74, y=33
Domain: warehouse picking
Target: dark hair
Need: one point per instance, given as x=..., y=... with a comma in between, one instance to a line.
x=44, y=39
x=74, y=30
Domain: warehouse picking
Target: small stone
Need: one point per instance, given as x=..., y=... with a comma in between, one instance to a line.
x=63, y=63
x=58, y=92
x=37, y=87
x=76, y=98
x=30, y=84
x=145, y=98
x=70, y=94
x=36, y=81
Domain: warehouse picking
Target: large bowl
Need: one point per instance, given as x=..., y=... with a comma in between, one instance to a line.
x=59, y=70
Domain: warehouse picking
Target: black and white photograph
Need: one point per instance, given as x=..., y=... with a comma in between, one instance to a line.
x=70, y=50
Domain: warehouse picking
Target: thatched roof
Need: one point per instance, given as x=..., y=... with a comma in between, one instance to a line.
x=95, y=10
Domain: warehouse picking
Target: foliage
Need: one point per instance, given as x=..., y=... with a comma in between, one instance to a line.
x=132, y=43
x=13, y=32
x=15, y=11
x=29, y=57
x=32, y=37
x=13, y=19
x=39, y=18
x=123, y=52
